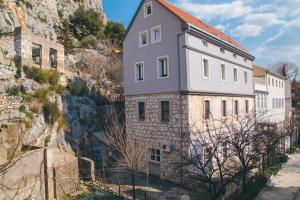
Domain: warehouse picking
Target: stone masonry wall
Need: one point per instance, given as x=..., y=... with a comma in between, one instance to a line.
x=23, y=45
x=153, y=133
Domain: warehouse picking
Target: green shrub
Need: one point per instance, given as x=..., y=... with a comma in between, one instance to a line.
x=77, y=90
x=64, y=36
x=51, y=112
x=114, y=30
x=42, y=76
x=89, y=42
x=13, y=91
x=53, y=77
x=26, y=112
x=283, y=158
x=86, y=22
x=58, y=89
x=47, y=140
x=41, y=95
x=18, y=73
x=292, y=150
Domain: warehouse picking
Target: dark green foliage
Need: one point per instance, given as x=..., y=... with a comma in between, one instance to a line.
x=77, y=89
x=51, y=112
x=42, y=76
x=86, y=22
x=253, y=187
x=13, y=91
x=18, y=73
x=114, y=30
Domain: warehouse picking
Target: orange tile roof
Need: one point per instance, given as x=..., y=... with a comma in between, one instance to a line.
x=199, y=24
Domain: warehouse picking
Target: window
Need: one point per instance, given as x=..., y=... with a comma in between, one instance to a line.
x=234, y=55
x=235, y=75
x=246, y=77
x=163, y=67
x=206, y=109
x=165, y=111
x=204, y=42
x=143, y=39
x=269, y=81
x=141, y=106
x=148, y=9
x=222, y=50
x=53, y=58
x=224, y=108
x=139, y=71
x=205, y=68
x=155, y=155
x=245, y=60
x=223, y=72
x=276, y=83
x=273, y=103
x=36, y=54
x=156, y=34
x=236, y=108
x=262, y=101
x=273, y=82
x=258, y=101
x=247, y=106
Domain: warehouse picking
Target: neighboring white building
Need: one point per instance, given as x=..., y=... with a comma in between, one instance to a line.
x=270, y=94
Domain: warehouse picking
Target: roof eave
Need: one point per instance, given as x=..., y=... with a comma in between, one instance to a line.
x=199, y=32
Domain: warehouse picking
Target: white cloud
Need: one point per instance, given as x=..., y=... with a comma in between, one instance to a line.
x=224, y=11
x=248, y=30
x=263, y=19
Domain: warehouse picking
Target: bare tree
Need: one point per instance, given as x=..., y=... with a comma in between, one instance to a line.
x=126, y=150
x=210, y=162
x=287, y=69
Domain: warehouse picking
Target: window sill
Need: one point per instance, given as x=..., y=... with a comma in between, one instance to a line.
x=155, y=42
x=161, y=78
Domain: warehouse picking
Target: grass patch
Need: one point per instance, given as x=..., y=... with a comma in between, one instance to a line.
x=28, y=114
x=42, y=76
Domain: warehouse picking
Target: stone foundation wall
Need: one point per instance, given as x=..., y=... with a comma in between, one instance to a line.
x=152, y=133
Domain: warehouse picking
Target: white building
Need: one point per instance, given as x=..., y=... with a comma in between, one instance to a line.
x=270, y=92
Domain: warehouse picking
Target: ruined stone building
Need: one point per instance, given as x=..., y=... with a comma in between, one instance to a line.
x=179, y=73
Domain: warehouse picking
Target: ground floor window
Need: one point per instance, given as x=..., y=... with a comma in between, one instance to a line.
x=155, y=155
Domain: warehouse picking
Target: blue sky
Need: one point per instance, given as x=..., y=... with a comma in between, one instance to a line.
x=269, y=29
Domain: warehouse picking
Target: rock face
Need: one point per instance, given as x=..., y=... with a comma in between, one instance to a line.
x=41, y=15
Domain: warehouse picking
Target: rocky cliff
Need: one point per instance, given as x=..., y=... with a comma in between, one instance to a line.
x=41, y=15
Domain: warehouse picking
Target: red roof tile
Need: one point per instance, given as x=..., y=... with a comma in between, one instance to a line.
x=199, y=24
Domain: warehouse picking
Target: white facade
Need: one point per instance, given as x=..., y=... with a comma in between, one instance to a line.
x=270, y=96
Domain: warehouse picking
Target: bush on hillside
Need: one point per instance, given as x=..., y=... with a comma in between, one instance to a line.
x=86, y=22
x=51, y=112
x=89, y=42
x=42, y=76
x=41, y=95
x=114, y=30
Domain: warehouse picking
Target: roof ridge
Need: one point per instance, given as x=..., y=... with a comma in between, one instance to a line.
x=188, y=18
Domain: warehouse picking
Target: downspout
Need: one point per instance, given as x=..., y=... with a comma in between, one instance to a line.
x=180, y=106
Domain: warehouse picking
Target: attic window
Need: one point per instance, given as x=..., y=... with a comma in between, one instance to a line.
x=234, y=55
x=204, y=42
x=148, y=9
x=245, y=59
x=222, y=50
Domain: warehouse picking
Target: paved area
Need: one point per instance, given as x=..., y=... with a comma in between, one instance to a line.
x=286, y=185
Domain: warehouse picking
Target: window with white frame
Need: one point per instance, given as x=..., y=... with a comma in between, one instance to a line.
x=235, y=75
x=143, y=39
x=246, y=77
x=139, y=71
x=163, y=67
x=258, y=101
x=204, y=42
x=205, y=68
x=156, y=34
x=155, y=155
x=234, y=55
x=223, y=72
x=148, y=9
x=245, y=60
x=247, y=106
x=236, y=108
